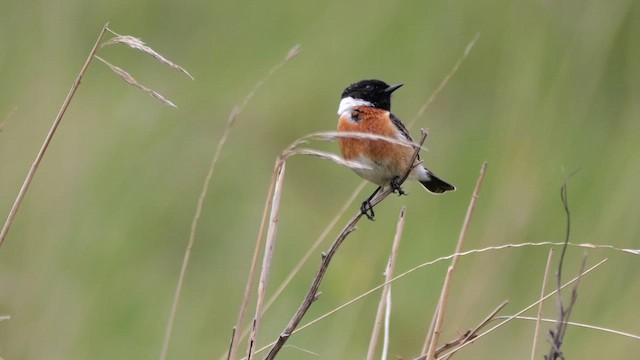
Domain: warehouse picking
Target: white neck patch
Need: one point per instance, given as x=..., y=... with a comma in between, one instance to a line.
x=349, y=103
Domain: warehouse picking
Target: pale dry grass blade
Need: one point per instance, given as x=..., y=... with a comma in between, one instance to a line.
x=137, y=44
x=577, y=278
x=384, y=305
x=335, y=135
x=586, y=326
x=5, y=317
x=387, y=317
x=329, y=156
x=539, y=316
x=303, y=350
x=442, y=303
x=133, y=82
x=49, y=137
x=6, y=118
x=269, y=249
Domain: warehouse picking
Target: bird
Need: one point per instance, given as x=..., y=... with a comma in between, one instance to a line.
x=365, y=106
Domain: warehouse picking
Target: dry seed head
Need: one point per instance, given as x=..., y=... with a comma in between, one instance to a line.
x=130, y=80
x=138, y=44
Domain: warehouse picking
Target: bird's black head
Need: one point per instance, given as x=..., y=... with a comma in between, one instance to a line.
x=376, y=92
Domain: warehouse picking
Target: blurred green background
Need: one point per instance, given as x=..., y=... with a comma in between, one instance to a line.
x=90, y=265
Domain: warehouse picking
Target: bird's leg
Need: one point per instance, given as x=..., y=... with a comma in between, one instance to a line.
x=366, y=208
x=395, y=186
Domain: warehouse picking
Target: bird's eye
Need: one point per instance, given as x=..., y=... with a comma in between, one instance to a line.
x=369, y=87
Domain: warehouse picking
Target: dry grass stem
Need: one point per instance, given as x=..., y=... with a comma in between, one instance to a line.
x=270, y=244
x=539, y=315
x=49, y=137
x=586, y=326
x=432, y=325
x=138, y=44
x=444, y=81
x=383, y=306
x=582, y=273
x=442, y=303
x=6, y=118
x=133, y=82
x=387, y=317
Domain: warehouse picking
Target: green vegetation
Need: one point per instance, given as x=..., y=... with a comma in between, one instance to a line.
x=89, y=268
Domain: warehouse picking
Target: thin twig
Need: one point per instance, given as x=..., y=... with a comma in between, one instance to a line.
x=442, y=303
x=582, y=273
x=233, y=336
x=557, y=336
x=467, y=335
x=474, y=333
x=388, y=273
x=326, y=259
x=49, y=137
x=539, y=315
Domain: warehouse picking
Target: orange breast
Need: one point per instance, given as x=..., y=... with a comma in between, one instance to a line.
x=374, y=121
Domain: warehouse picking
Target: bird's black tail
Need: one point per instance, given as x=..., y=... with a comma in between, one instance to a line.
x=436, y=185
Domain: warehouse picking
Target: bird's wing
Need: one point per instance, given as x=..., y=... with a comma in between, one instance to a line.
x=398, y=124
x=403, y=130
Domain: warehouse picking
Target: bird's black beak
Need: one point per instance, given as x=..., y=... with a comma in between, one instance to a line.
x=392, y=88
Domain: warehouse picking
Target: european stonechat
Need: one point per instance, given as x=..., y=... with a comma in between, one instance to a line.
x=366, y=107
